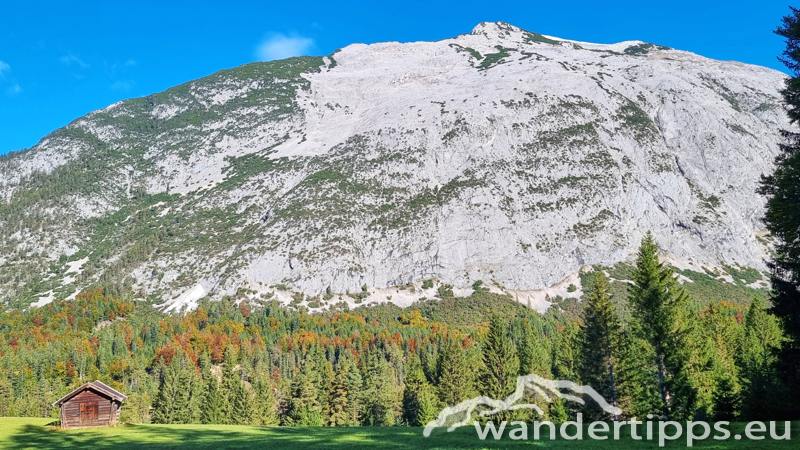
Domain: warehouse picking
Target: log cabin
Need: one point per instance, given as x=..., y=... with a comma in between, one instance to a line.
x=92, y=405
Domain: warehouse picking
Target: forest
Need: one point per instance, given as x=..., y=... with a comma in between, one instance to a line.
x=240, y=362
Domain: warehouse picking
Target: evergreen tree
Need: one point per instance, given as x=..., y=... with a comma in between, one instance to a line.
x=266, y=409
x=419, y=398
x=661, y=308
x=637, y=379
x=713, y=367
x=782, y=189
x=339, y=415
x=600, y=338
x=355, y=385
x=534, y=353
x=498, y=376
x=211, y=412
x=381, y=400
x=165, y=408
x=6, y=396
x=456, y=381
x=726, y=397
x=304, y=409
x=229, y=385
x=756, y=359
x=565, y=352
x=242, y=410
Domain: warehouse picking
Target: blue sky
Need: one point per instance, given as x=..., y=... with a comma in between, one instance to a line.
x=59, y=60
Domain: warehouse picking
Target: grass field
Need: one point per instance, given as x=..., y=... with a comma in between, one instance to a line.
x=27, y=433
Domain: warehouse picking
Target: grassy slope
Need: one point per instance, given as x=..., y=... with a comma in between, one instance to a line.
x=27, y=433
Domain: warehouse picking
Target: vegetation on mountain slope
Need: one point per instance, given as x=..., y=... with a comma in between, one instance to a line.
x=243, y=362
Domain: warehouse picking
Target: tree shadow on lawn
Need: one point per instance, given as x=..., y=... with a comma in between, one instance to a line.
x=200, y=437
x=221, y=437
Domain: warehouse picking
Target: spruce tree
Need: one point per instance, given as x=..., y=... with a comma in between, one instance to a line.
x=304, y=409
x=782, y=219
x=164, y=410
x=6, y=396
x=661, y=309
x=266, y=409
x=498, y=376
x=756, y=359
x=181, y=400
x=242, y=410
x=534, y=353
x=227, y=389
x=339, y=415
x=565, y=352
x=419, y=399
x=211, y=410
x=381, y=395
x=355, y=384
x=726, y=398
x=600, y=339
x=456, y=380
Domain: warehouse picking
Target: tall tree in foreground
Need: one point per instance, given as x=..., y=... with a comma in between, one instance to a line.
x=660, y=307
x=782, y=219
x=600, y=339
x=498, y=377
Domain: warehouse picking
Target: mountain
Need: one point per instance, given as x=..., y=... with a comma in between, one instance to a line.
x=501, y=155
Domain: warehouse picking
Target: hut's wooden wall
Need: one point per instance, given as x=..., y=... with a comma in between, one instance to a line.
x=74, y=415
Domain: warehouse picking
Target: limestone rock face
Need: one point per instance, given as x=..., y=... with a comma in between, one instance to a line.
x=500, y=155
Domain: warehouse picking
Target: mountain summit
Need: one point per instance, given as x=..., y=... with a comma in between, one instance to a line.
x=500, y=155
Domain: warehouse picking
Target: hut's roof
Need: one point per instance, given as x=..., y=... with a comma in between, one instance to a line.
x=97, y=386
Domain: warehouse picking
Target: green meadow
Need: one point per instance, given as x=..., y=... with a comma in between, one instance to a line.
x=34, y=433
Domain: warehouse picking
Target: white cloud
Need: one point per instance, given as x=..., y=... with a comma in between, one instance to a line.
x=14, y=89
x=130, y=62
x=70, y=59
x=279, y=46
x=4, y=68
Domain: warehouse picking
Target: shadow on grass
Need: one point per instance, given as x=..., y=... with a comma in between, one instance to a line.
x=198, y=437
x=220, y=437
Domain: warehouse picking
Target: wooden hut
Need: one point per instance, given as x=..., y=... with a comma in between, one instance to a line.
x=92, y=405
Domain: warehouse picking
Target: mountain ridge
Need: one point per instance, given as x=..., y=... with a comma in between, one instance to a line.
x=500, y=155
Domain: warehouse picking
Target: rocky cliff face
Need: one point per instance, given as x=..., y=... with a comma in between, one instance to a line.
x=501, y=155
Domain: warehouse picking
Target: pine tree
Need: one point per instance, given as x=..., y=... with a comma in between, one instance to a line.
x=637, y=378
x=212, y=402
x=381, y=395
x=164, y=410
x=565, y=352
x=600, y=339
x=419, y=399
x=339, y=415
x=456, y=381
x=661, y=307
x=266, y=406
x=534, y=353
x=355, y=385
x=242, y=410
x=498, y=376
x=6, y=396
x=756, y=359
x=304, y=409
x=782, y=219
x=227, y=389
x=726, y=397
